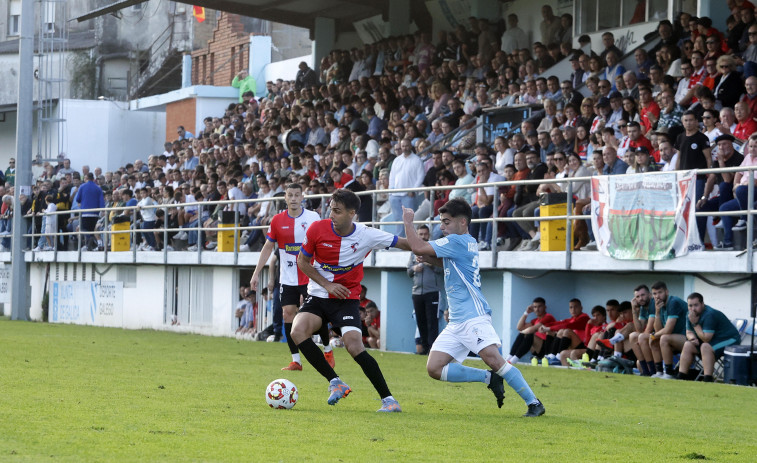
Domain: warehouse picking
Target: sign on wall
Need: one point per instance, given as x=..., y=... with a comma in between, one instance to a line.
x=5, y=284
x=87, y=303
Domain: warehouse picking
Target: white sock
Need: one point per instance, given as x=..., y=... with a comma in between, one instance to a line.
x=390, y=397
x=296, y=358
x=617, y=354
x=326, y=347
x=514, y=359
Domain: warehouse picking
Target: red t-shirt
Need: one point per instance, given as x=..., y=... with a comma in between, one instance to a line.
x=289, y=232
x=643, y=141
x=745, y=129
x=545, y=320
x=653, y=108
x=577, y=324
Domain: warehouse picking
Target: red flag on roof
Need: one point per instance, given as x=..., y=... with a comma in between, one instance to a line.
x=199, y=13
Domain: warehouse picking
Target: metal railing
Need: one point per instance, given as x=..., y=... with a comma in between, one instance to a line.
x=132, y=211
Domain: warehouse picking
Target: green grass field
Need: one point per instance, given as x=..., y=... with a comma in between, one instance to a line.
x=74, y=393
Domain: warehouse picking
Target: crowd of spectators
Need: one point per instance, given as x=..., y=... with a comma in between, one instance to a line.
x=361, y=119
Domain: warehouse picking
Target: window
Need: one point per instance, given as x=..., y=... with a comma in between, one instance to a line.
x=13, y=24
x=597, y=15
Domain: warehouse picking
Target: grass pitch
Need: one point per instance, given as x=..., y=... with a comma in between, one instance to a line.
x=74, y=393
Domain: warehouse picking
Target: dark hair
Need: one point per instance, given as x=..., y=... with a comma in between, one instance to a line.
x=457, y=208
x=371, y=305
x=346, y=198
x=294, y=186
x=613, y=302
x=576, y=300
x=659, y=285
x=423, y=227
x=539, y=300
x=599, y=309
x=696, y=296
x=625, y=306
x=640, y=287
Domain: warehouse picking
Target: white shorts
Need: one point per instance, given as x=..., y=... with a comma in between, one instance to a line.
x=457, y=339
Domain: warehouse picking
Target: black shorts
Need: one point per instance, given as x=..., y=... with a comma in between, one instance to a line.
x=290, y=295
x=338, y=312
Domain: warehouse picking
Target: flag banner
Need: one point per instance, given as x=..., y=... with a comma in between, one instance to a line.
x=645, y=216
x=199, y=13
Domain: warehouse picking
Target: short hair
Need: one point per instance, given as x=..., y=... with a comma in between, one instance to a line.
x=539, y=300
x=612, y=302
x=371, y=305
x=625, y=306
x=457, y=208
x=697, y=296
x=423, y=227
x=346, y=198
x=576, y=300
x=599, y=309
x=659, y=285
x=640, y=287
x=294, y=186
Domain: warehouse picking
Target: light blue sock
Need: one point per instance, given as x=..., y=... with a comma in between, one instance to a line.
x=457, y=373
x=515, y=380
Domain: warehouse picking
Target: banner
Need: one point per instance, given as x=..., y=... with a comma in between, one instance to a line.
x=374, y=29
x=87, y=303
x=645, y=216
x=5, y=283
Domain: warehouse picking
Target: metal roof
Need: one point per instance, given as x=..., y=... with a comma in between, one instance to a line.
x=300, y=13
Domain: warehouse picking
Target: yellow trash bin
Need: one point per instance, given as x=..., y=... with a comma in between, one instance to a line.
x=552, y=231
x=226, y=238
x=120, y=241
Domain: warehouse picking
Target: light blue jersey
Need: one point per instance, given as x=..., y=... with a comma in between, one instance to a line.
x=462, y=280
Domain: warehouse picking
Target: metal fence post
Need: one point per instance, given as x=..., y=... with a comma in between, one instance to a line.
x=569, y=227
x=493, y=223
x=236, y=235
x=750, y=223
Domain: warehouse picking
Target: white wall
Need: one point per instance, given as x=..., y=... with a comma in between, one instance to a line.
x=286, y=69
x=101, y=134
x=210, y=107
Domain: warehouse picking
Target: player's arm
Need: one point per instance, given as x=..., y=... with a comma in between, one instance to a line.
x=670, y=325
x=265, y=254
x=335, y=289
x=416, y=244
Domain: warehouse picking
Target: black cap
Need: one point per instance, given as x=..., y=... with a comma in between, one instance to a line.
x=532, y=133
x=641, y=149
x=603, y=102
x=725, y=137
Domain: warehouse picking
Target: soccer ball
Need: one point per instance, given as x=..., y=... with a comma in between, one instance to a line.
x=281, y=393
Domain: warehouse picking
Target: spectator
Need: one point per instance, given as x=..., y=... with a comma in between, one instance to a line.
x=530, y=337
x=514, y=37
x=306, y=77
x=740, y=200
x=694, y=150
x=668, y=326
x=245, y=83
x=708, y=333
x=10, y=172
x=425, y=294
x=407, y=172
x=373, y=324
x=482, y=203
x=89, y=196
x=563, y=335
x=183, y=134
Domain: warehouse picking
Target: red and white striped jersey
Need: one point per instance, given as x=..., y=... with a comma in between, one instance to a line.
x=289, y=233
x=340, y=258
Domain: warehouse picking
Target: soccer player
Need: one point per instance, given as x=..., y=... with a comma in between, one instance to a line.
x=337, y=248
x=470, y=325
x=288, y=229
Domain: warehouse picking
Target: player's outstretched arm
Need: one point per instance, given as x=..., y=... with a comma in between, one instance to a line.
x=265, y=254
x=417, y=245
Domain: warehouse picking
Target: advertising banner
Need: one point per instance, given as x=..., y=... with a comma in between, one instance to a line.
x=87, y=303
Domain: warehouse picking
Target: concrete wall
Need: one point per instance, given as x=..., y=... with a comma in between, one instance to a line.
x=286, y=69
x=508, y=293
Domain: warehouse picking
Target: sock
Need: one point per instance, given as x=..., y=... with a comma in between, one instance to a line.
x=314, y=356
x=564, y=344
x=685, y=376
x=514, y=359
x=651, y=367
x=667, y=368
x=324, y=334
x=326, y=348
x=644, y=369
x=708, y=379
x=290, y=342
x=372, y=371
x=457, y=373
x=617, y=354
x=515, y=380
x=296, y=358
x=658, y=366
x=591, y=353
x=525, y=345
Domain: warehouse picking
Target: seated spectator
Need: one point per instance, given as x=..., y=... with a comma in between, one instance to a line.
x=373, y=324
x=708, y=333
x=740, y=199
x=482, y=203
x=595, y=326
x=668, y=326
x=564, y=334
x=530, y=338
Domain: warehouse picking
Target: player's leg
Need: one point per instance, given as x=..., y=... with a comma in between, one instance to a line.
x=353, y=342
x=689, y=352
x=669, y=345
x=645, y=346
x=512, y=376
x=302, y=296
x=708, y=360
x=288, y=313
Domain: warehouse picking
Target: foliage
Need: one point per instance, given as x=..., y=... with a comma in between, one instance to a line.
x=83, y=75
x=76, y=393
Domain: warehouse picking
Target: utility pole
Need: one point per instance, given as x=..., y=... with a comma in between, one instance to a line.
x=23, y=184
